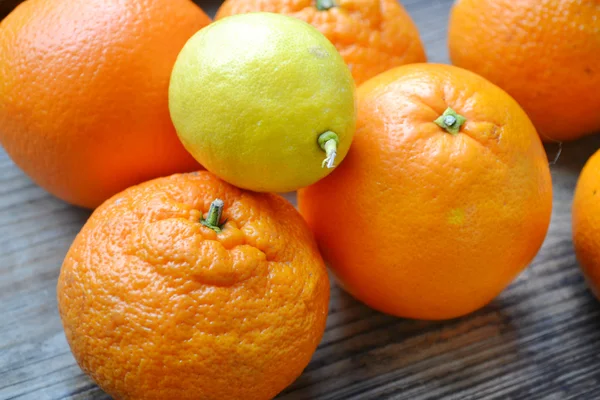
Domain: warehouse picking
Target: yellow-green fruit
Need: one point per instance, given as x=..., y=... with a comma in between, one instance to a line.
x=250, y=96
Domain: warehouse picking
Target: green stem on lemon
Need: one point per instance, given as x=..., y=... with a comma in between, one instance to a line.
x=324, y=5
x=214, y=216
x=328, y=142
x=451, y=121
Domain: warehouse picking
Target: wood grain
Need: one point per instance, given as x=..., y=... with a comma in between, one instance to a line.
x=539, y=340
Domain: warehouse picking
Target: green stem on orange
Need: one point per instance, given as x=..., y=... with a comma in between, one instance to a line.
x=450, y=121
x=324, y=5
x=328, y=142
x=214, y=216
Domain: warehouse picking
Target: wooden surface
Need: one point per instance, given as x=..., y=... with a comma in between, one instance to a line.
x=539, y=340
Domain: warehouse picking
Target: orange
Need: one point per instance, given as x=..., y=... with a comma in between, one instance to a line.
x=83, y=92
x=433, y=221
x=156, y=305
x=371, y=36
x=545, y=53
x=586, y=222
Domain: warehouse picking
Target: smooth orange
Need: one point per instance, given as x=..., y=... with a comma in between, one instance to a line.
x=545, y=53
x=155, y=305
x=422, y=223
x=83, y=92
x=586, y=222
x=372, y=36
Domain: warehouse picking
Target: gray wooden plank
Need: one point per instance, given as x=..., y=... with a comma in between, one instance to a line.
x=539, y=340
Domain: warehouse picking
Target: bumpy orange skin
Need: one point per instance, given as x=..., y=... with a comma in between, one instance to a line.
x=586, y=222
x=372, y=36
x=83, y=92
x=419, y=223
x=157, y=306
x=545, y=53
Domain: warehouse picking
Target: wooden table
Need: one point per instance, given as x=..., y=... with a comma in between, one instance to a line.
x=539, y=340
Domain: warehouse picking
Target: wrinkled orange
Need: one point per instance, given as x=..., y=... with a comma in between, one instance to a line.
x=372, y=36
x=422, y=223
x=83, y=92
x=586, y=222
x=155, y=305
x=545, y=53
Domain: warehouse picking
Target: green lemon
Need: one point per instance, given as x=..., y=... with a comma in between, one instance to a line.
x=264, y=101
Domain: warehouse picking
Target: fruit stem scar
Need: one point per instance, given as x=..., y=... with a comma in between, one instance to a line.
x=451, y=121
x=328, y=142
x=324, y=5
x=214, y=216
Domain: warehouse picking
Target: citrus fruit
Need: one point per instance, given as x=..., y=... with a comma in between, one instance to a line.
x=262, y=100
x=545, y=53
x=444, y=197
x=83, y=92
x=586, y=222
x=371, y=36
x=185, y=287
